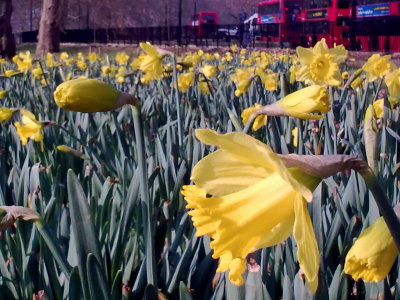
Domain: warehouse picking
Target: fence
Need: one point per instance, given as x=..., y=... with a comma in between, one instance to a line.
x=218, y=35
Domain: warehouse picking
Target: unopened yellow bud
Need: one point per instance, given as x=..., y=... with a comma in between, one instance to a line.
x=89, y=96
x=357, y=82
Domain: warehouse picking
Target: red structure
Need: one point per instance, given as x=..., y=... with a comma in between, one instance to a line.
x=376, y=25
x=278, y=21
x=204, y=23
x=329, y=19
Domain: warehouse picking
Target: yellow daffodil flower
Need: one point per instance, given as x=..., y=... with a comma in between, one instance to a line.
x=105, y=70
x=185, y=81
x=373, y=254
x=378, y=66
x=152, y=62
x=345, y=75
x=11, y=73
x=370, y=137
x=204, y=87
x=242, y=78
x=30, y=128
x=3, y=94
x=81, y=64
x=135, y=64
x=271, y=81
x=303, y=103
x=378, y=107
x=5, y=114
x=260, y=120
x=209, y=71
x=392, y=81
x=320, y=65
x=255, y=202
x=90, y=95
x=122, y=58
x=92, y=57
x=234, y=48
x=64, y=55
x=357, y=82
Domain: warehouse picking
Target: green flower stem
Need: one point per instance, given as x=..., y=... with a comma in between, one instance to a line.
x=54, y=249
x=144, y=195
x=177, y=99
x=377, y=90
x=384, y=205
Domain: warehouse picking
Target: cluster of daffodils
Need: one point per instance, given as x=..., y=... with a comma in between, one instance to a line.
x=245, y=197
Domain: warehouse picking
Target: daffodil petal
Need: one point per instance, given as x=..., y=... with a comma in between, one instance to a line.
x=307, y=248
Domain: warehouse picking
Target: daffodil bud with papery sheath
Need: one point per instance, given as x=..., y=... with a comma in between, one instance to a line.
x=90, y=95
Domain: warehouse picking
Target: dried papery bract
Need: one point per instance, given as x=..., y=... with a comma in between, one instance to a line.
x=10, y=214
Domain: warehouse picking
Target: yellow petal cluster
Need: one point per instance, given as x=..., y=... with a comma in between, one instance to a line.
x=151, y=63
x=5, y=114
x=303, y=103
x=242, y=78
x=392, y=81
x=378, y=66
x=320, y=65
x=209, y=71
x=29, y=128
x=185, y=81
x=260, y=120
x=255, y=202
x=373, y=254
x=86, y=95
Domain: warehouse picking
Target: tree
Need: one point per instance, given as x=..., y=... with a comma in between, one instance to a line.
x=7, y=41
x=49, y=28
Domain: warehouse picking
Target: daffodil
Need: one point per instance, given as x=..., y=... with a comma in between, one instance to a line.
x=371, y=137
x=260, y=120
x=204, y=87
x=392, y=81
x=92, y=57
x=11, y=73
x=357, y=82
x=151, y=63
x=378, y=107
x=302, y=104
x=185, y=81
x=378, y=66
x=271, y=81
x=68, y=150
x=105, y=70
x=122, y=58
x=373, y=254
x=5, y=114
x=242, y=78
x=320, y=65
x=30, y=128
x=3, y=94
x=209, y=71
x=255, y=202
x=90, y=95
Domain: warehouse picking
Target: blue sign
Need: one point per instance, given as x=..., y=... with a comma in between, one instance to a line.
x=268, y=19
x=373, y=10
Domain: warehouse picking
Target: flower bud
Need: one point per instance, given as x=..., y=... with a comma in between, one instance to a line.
x=90, y=95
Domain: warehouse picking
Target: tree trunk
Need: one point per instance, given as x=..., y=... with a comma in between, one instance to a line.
x=7, y=41
x=49, y=28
